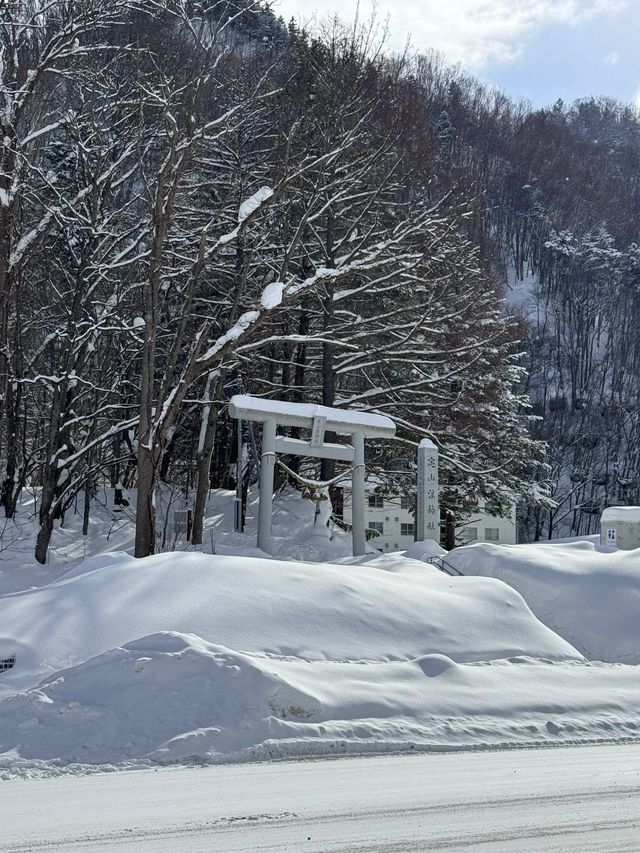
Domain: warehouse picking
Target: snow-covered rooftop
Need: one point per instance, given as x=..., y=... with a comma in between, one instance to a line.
x=621, y=513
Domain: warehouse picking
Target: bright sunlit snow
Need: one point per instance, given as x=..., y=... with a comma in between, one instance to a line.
x=588, y=593
x=187, y=656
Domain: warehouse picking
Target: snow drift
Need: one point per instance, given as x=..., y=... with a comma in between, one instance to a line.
x=170, y=697
x=308, y=611
x=587, y=593
x=184, y=656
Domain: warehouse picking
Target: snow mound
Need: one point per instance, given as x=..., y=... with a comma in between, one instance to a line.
x=588, y=594
x=308, y=611
x=424, y=550
x=433, y=665
x=172, y=697
x=167, y=694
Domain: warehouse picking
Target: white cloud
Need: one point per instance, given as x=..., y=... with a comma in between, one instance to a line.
x=636, y=98
x=476, y=33
x=613, y=58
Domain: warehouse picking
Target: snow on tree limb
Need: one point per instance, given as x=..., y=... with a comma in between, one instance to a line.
x=252, y=204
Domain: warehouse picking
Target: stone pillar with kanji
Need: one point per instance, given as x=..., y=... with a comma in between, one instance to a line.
x=428, y=506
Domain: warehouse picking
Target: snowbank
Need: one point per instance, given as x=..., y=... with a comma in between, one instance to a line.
x=588, y=594
x=171, y=697
x=424, y=550
x=186, y=656
x=309, y=611
x=298, y=533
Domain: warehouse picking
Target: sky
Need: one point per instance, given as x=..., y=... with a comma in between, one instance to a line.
x=539, y=50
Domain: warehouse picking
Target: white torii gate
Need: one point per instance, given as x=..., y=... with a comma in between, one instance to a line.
x=318, y=419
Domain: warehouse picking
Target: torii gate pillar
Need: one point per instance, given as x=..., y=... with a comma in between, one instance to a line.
x=267, y=470
x=358, y=525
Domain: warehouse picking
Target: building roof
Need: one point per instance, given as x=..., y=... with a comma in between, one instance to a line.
x=621, y=513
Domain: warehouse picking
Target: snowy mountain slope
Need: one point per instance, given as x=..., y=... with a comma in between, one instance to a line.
x=588, y=594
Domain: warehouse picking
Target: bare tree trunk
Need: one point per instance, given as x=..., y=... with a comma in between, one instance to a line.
x=12, y=484
x=44, y=537
x=148, y=457
x=328, y=466
x=46, y=516
x=205, y=452
x=145, y=504
x=149, y=442
x=49, y=476
x=449, y=532
x=148, y=454
x=86, y=510
x=9, y=493
x=5, y=286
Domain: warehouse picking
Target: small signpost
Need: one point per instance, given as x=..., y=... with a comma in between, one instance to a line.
x=7, y=663
x=183, y=523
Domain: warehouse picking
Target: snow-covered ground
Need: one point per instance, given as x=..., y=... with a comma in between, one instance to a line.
x=587, y=593
x=234, y=656
x=298, y=533
x=568, y=800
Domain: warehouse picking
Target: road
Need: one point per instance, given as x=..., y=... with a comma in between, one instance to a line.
x=583, y=799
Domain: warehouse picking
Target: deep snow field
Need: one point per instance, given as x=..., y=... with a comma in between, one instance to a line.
x=235, y=656
x=587, y=593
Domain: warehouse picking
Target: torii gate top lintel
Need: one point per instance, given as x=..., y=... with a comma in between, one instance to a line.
x=340, y=421
x=319, y=419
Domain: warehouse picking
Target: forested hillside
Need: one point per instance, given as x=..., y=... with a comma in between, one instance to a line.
x=196, y=200
x=559, y=205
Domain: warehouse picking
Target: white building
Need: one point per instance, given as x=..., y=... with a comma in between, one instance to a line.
x=480, y=526
x=392, y=520
x=620, y=527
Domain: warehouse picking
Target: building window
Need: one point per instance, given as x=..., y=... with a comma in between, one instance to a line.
x=406, y=529
x=491, y=534
x=377, y=526
x=470, y=534
x=376, y=502
x=406, y=502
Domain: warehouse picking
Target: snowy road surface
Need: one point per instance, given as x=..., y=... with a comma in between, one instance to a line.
x=541, y=800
